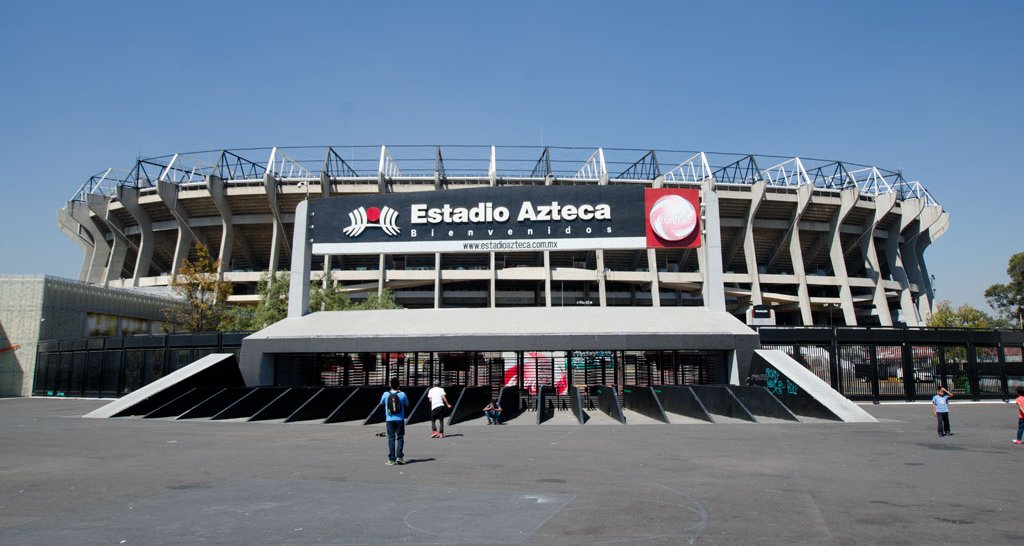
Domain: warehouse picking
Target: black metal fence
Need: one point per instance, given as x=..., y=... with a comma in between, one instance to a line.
x=110, y=367
x=861, y=363
x=906, y=363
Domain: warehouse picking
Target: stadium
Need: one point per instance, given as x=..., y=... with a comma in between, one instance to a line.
x=786, y=240
x=587, y=275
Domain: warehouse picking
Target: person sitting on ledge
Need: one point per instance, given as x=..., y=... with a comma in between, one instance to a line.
x=493, y=412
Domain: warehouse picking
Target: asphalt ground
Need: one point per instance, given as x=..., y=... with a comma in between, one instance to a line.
x=67, y=480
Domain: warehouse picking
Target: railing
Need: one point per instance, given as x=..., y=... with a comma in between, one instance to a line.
x=861, y=363
x=110, y=367
x=906, y=363
x=467, y=163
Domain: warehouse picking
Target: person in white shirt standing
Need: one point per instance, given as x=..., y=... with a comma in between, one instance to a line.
x=438, y=401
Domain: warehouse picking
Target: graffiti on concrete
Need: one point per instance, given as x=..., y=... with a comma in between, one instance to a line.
x=778, y=384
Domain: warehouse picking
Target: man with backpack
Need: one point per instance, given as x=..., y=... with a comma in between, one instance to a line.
x=395, y=403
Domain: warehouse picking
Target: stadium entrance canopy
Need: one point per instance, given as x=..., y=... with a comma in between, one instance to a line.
x=518, y=330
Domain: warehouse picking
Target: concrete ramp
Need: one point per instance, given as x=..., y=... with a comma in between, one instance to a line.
x=470, y=404
x=802, y=391
x=576, y=405
x=508, y=399
x=720, y=401
x=644, y=400
x=680, y=399
x=215, y=370
x=321, y=405
x=608, y=402
x=760, y=402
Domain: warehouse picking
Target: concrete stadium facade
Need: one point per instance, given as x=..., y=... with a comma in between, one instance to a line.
x=803, y=241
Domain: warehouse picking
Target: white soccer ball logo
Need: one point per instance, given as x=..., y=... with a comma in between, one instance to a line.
x=673, y=218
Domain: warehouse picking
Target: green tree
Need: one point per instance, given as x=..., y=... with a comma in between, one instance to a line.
x=203, y=291
x=1008, y=299
x=273, y=305
x=383, y=300
x=239, y=318
x=946, y=316
x=327, y=296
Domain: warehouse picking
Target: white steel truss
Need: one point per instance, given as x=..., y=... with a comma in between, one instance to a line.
x=388, y=166
x=183, y=169
x=695, y=169
x=282, y=166
x=189, y=169
x=915, y=190
x=104, y=183
x=874, y=183
x=789, y=173
x=593, y=168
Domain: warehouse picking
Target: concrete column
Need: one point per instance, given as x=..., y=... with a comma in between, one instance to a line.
x=547, y=278
x=908, y=253
x=437, y=280
x=494, y=280
x=278, y=239
x=325, y=191
x=228, y=234
x=796, y=253
x=325, y=185
x=598, y=254
x=382, y=183
x=71, y=228
x=936, y=229
x=848, y=199
x=100, y=207
x=749, y=250
x=883, y=204
x=907, y=227
x=129, y=198
x=168, y=193
x=652, y=267
x=275, y=252
x=382, y=273
x=907, y=310
x=714, y=283
x=101, y=249
x=227, y=231
x=302, y=258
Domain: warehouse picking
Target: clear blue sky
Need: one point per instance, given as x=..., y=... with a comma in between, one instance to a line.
x=933, y=88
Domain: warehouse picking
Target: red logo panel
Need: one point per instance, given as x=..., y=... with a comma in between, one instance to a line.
x=673, y=218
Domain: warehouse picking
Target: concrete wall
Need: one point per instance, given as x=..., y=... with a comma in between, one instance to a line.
x=21, y=313
x=39, y=308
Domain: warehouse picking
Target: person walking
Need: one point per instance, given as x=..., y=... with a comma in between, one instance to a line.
x=438, y=401
x=395, y=403
x=940, y=407
x=1020, y=415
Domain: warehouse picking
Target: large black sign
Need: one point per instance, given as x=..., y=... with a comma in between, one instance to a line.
x=481, y=220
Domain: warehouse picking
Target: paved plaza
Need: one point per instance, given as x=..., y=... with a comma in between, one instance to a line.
x=67, y=480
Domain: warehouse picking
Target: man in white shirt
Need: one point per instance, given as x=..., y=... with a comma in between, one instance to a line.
x=438, y=401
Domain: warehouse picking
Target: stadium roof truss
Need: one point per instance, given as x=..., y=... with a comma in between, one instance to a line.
x=500, y=164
